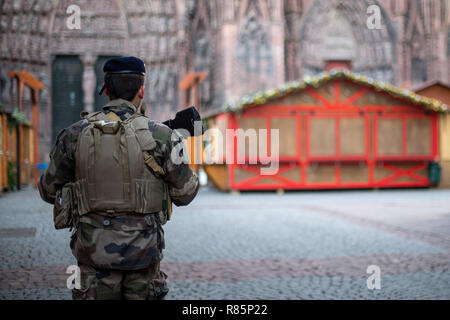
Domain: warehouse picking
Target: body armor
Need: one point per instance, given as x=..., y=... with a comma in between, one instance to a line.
x=112, y=167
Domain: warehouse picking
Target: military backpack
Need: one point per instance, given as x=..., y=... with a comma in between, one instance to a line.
x=115, y=172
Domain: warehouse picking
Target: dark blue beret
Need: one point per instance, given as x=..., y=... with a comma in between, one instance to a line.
x=124, y=65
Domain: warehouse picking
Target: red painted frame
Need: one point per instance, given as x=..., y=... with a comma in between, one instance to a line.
x=268, y=117
x=338, y=156
x=227, y=118
x=337, y=110
x=402, y=173
x=404, y=155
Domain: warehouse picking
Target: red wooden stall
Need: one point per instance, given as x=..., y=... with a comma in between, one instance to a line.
x=338, y=130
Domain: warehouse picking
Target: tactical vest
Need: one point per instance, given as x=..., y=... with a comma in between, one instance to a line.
x=112, y=167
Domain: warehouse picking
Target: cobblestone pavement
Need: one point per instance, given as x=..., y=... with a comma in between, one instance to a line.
x=300, y=245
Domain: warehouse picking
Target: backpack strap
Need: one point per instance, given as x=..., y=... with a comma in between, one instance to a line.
x=152, y=164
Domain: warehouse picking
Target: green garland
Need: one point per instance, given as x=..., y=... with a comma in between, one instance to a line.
x=314, y=82
x=17, y=118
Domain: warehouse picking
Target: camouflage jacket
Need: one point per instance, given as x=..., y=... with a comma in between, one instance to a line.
x=130, y=241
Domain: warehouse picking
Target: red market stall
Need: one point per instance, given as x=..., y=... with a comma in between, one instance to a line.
x=337, y=130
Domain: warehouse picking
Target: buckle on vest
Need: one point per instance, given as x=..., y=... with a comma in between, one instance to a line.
x=110, y=127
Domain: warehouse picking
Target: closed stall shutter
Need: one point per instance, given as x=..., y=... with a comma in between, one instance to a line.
x=322, y=136
x=390, y=136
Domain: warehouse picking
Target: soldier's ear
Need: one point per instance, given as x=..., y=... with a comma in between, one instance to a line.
x=141, y=92
x=105, y=91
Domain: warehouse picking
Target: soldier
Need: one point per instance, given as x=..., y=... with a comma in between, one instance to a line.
x=112, y=177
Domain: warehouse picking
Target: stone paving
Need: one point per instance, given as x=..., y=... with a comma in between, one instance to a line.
x=261, y=245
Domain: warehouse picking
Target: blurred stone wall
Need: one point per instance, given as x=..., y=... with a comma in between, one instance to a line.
x=243, y=45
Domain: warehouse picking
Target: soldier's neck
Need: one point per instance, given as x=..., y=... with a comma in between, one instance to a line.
x=136, y=101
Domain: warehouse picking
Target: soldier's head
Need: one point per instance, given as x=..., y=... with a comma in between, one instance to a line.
x=124, y=79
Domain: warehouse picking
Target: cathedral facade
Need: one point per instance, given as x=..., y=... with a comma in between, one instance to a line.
x=243, y=45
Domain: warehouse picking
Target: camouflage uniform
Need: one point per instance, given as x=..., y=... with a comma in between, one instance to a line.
x=119, y=255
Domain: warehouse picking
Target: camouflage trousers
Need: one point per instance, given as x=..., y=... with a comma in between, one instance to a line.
x=107, y=284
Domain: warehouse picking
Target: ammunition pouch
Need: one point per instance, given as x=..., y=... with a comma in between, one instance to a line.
x=167, y=206
x=63, y=209
x=148, y=196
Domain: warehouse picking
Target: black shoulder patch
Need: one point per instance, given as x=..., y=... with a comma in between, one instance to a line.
x=83, y=114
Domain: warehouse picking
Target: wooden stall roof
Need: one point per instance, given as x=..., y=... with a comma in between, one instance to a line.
x=429, y=84
x=434, y=89
x=27, y=78
x=191, y=78
x=269, y=95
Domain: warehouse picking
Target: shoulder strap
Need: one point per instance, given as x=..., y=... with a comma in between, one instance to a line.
x=146, y=142
x=152, y=164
